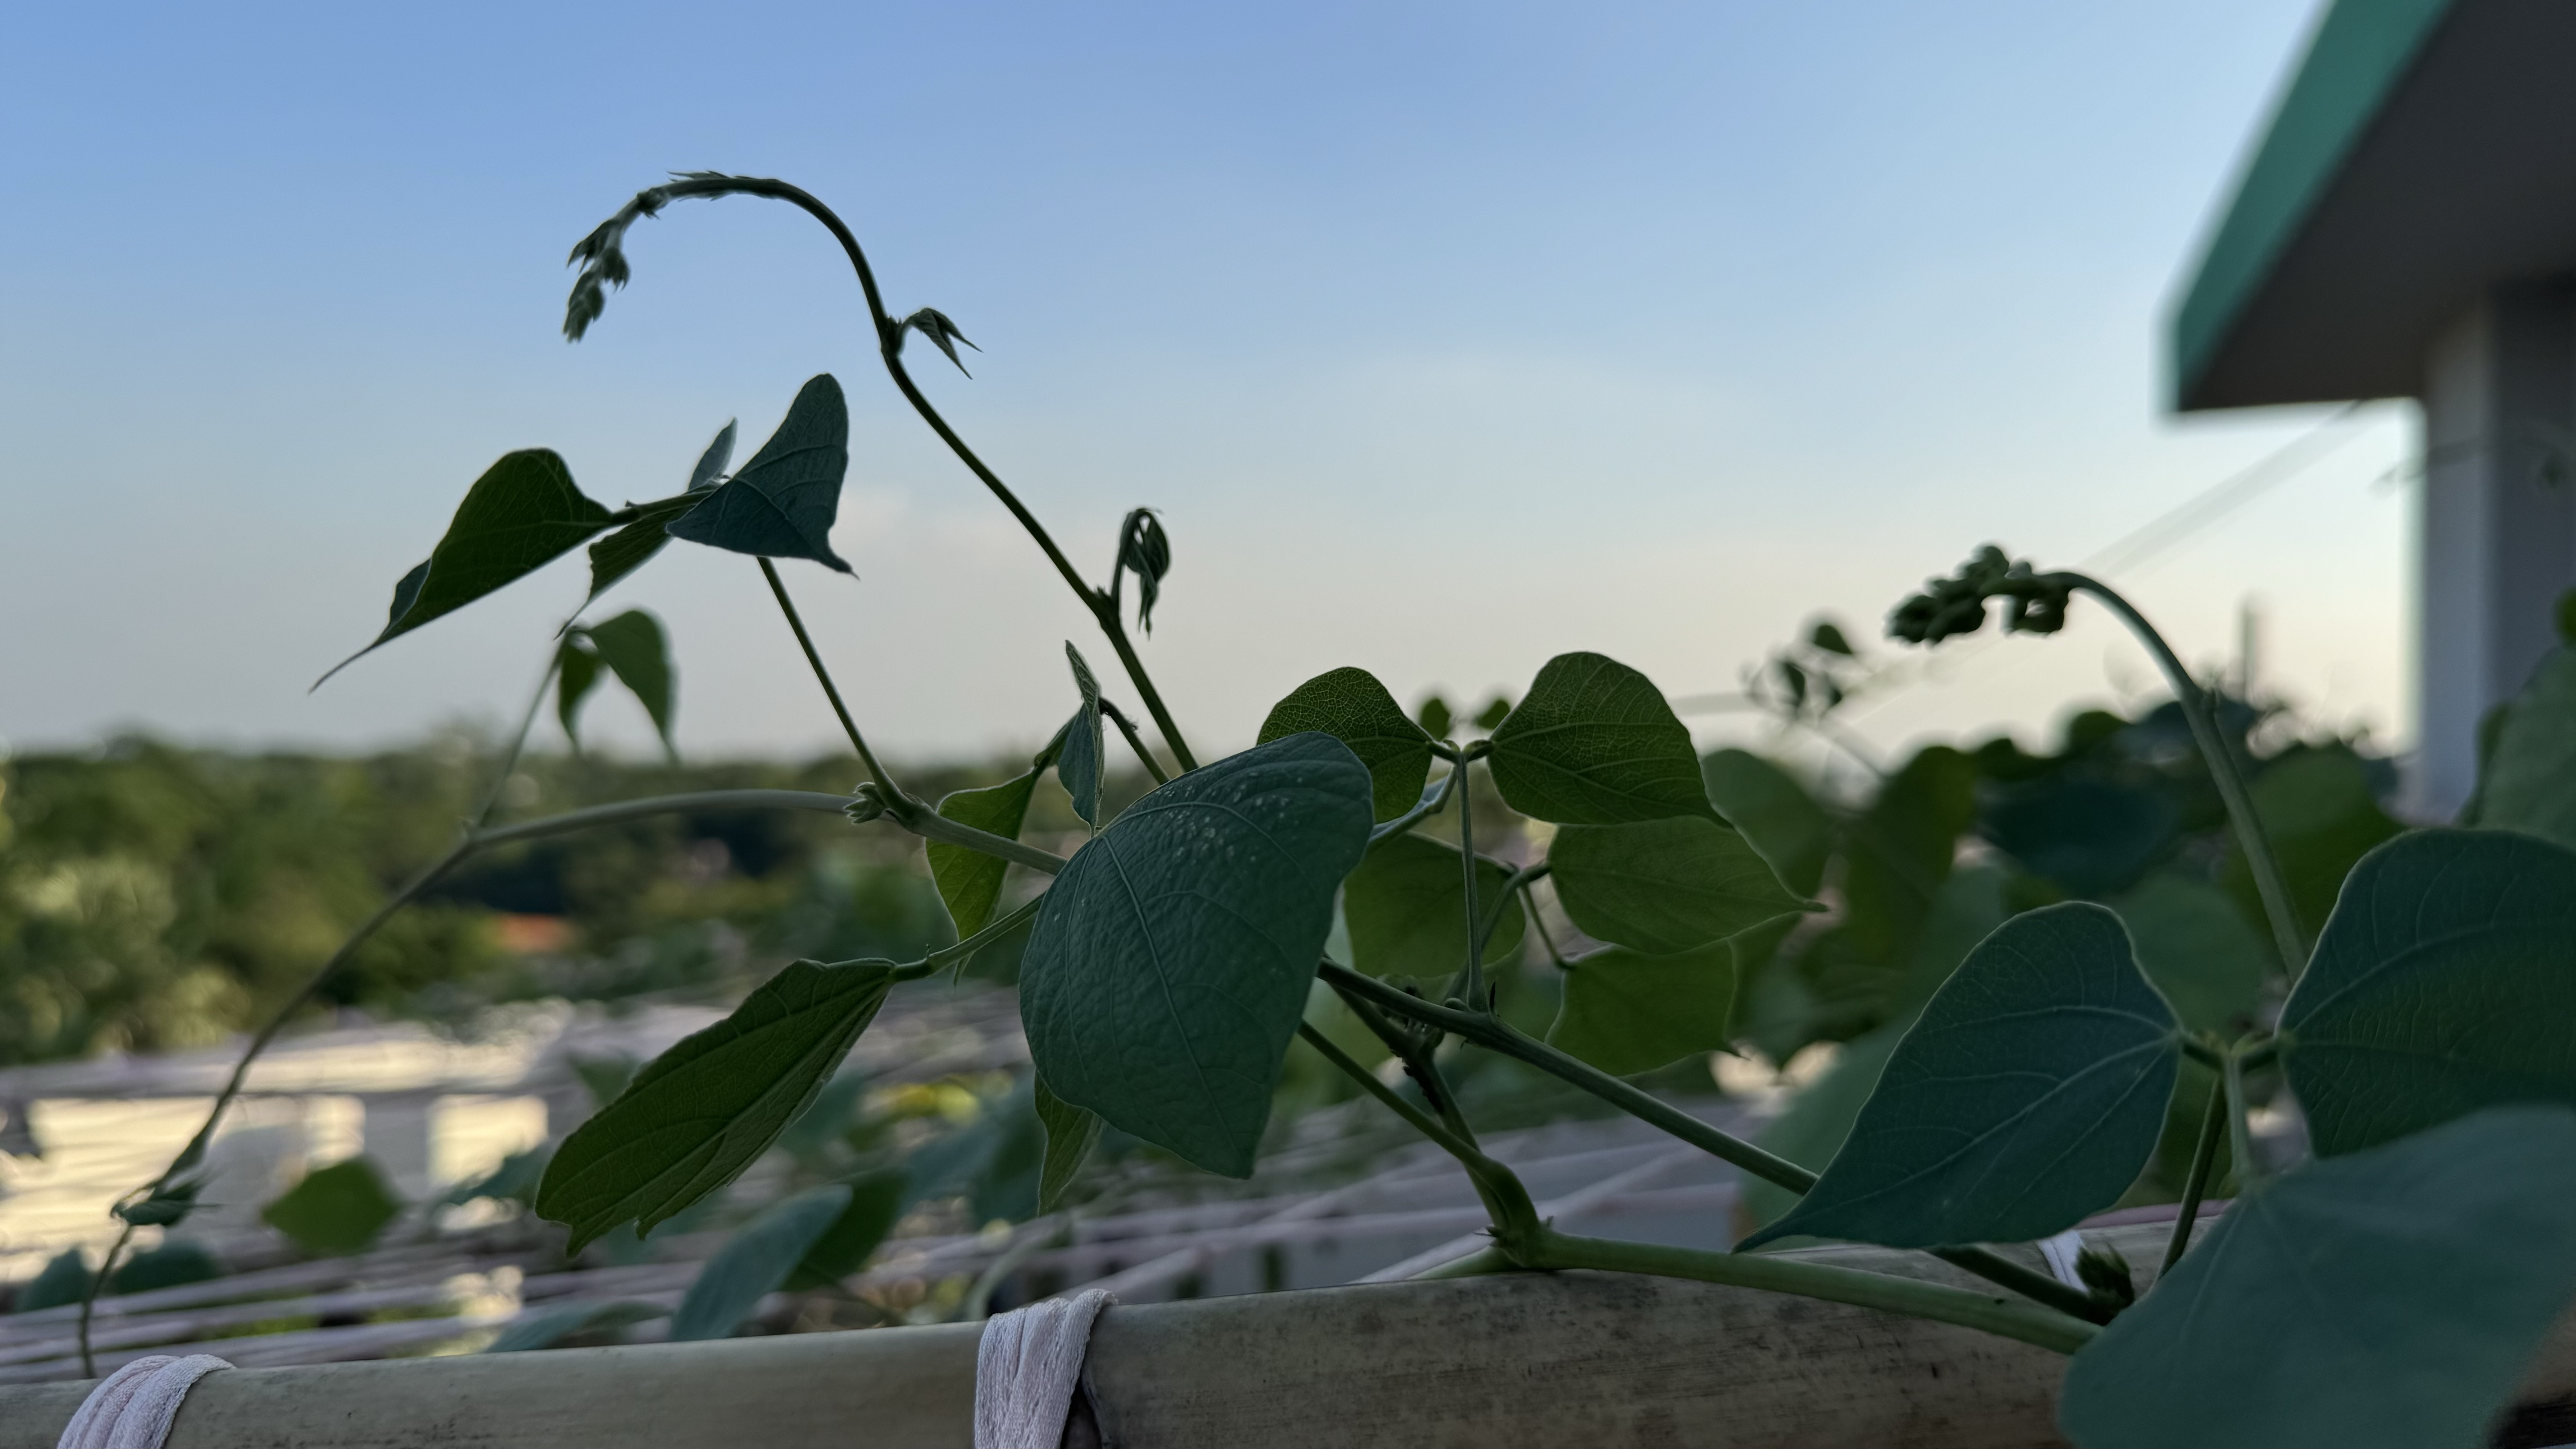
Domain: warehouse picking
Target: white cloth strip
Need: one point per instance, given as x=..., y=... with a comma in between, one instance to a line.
x=1026, y=1368
x=134, y=1407
x=2061, y=1252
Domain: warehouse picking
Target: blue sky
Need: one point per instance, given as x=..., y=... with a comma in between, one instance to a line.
x=1447, y=337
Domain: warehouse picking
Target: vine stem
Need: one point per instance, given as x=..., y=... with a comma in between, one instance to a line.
x=1521, y=1240
x=476, y=841
x=899, y=804
x=1780, y=1273
x=2204, y=1154
x=1496, y=1034
x=890, y=349
x=2278, y=909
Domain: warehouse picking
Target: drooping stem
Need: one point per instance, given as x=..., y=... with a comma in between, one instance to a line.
x=890, y=349
x=2204, y=1155
x=1779, y=1273
x=898, y=804
x=2288, y=937
x=1496, y=1034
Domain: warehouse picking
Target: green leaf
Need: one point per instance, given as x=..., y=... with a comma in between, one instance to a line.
x=1071, y=1133
x=549, y=1326
x=1406, y=907
x=782, y=503
x=1171, y=961
x=632, y=646
x=514, y=1180
x=875, y=1204
x=338, y=1210
x=1662, y=886
x=1901, y=849
x=2319, y=809
x=969, y=881
x=626, y=550
x=576, y=675
x=1594, y=743
x=1351, y=706
x=1775, y=812
x=1083, y=760
x=2445, y=982
x=698, y=1114
x=1627, y=1012
x=2393, y=1297
x=2027, y=1095
x=826, y=1119
x=1434, y=717
x=1818, y=1120
x=522, y=514
x=176, y=1261
x=2092, y=837
x=2199, y=951
x=756, y=1262
x=65, y=1279
x=1496, y=710
x=2530, y=782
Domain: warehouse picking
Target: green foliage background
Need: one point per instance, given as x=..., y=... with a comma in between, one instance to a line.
x=155, y=896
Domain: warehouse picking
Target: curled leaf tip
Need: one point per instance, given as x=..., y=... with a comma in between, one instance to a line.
x=934, y=324
x=1146, y=551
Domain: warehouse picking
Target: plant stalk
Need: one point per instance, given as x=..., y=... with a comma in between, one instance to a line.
x=1135, y=742
x=2204, y=1155
x=1507, y=1202
x=1497, y=1035
x=1779, y=1273
x=898, y=804
x=2278, y=909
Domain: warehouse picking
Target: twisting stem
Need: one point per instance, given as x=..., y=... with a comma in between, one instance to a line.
x=898, y=804
x=890, y=349
x=1416, y=1048
x=89, y=1298
x=2213, y=1129
x=2278, y=910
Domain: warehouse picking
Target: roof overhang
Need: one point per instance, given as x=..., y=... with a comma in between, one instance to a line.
x=2424, y=153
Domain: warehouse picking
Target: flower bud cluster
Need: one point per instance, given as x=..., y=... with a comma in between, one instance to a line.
x=2034, y=603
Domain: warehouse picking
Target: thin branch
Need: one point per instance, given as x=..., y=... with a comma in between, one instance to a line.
x=899, y=804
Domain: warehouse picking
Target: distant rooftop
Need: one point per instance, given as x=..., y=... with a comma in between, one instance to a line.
x=2423, y=152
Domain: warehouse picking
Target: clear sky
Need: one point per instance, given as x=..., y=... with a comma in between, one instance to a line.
x=1447, y=337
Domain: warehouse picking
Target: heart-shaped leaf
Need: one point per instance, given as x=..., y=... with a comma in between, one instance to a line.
x=2199, y=950
x=756, y=1262
x=1775, y=812
x=876, y=1202
x=1082, y=761
x=1662, y=886
x=340, y=1209
x=2529, y=781
x=522, y=514
x=1594, y=743
x=782, y=503
x=969, y=881
x=1406, y=907
x=1351, y=706
x=2028, y=1094
x=2392, y=1297
x=1171, y=962
x=1628, y=1012
x=698, y=1114
x=2444, y=982
x=632, y=647
x=1071, y=1133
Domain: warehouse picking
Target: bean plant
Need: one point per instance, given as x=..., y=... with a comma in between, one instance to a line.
x=2389, y=1289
